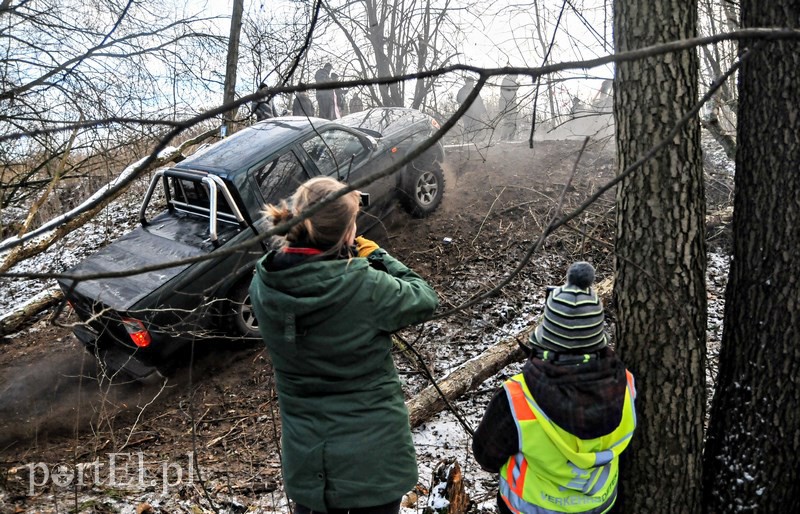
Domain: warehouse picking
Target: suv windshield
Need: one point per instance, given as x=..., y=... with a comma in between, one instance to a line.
x=335, y=149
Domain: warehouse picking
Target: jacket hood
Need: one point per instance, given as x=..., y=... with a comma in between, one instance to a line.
x=313, y=290
x=584, y=399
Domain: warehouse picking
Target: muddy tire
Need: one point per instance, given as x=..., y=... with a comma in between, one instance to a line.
x=423, y=191
x=240, y=320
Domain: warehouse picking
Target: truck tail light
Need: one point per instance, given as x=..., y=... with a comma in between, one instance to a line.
x=139, y=334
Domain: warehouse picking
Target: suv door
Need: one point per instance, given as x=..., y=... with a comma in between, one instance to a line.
x=349, y=157
x=279, y=177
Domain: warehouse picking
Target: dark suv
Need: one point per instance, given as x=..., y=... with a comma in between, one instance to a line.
x=214, y=200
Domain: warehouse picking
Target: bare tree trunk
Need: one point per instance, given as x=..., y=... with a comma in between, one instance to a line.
x=724, y=139
x=422, y=56
x=229, y=92
x=545, y=46
x=448, y=472
x=660, y=259
x=376, y=37
x=750, y=462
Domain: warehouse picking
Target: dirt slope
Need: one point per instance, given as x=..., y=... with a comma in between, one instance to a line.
x=497, y=201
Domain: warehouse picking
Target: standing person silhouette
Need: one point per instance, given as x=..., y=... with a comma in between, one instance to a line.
x=475, y=119
x=302, y=105
x=325, y=102
x=356, y=105
x=263, y=109
x=326, y=304
x=339, y=98
x=508, y=107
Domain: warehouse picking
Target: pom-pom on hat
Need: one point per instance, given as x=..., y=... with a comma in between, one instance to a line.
x=573, y=315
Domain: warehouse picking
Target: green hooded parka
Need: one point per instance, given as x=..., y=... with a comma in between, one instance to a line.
x=345, y=439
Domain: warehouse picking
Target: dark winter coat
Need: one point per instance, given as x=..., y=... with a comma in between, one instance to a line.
x=263, y=110
x=302, y=105
x=356, y=105
x=476, y=117
x=584, y=399
x=325, y=97
x=345, y=436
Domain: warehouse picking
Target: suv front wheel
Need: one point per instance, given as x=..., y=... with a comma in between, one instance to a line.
x=423, y=191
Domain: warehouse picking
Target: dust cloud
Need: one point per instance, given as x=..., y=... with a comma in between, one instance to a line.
x=57, y=395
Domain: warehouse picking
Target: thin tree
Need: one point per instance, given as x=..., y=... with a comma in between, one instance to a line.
x=232, y=62
x=720, y=117
x=61, y=61
x=753, y=434
x=660, y=265
x=394, y=38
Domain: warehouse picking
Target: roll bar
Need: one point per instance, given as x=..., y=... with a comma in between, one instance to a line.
x=215, y=186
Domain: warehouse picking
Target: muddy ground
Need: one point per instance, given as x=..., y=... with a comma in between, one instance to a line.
x=56, y=414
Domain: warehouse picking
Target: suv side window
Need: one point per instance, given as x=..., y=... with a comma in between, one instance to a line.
x=279, y=178
x=334, y=150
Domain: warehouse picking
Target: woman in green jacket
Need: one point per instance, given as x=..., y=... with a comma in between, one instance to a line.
x=326, y=304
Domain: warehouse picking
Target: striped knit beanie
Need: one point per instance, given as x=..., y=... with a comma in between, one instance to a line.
x=573, y=315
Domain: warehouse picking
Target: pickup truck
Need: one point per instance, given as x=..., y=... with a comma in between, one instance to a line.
x=214, y=200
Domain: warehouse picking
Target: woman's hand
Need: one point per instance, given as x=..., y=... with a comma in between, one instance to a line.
x=365, y=247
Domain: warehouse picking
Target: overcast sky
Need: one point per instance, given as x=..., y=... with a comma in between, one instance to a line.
x=504, y=33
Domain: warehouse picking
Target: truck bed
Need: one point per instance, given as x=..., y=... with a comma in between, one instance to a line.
x=169, y=237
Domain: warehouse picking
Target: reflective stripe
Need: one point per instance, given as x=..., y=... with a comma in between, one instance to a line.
x=591, y=480
x=604, y=457
x=557, y=484
x=631, y=384
x=518, y=402
x=520, y=408
x=519, y=467
x=519, y=506
x=601, y=482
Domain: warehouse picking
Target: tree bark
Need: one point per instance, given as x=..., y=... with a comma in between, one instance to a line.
x=447, y=485
x=660, y=259
x=467, y=376
x=727, y=143
x=750, y=457
x=229, y=90
x=375, y=34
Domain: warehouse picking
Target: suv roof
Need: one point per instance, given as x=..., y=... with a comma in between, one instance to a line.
x=249, y=146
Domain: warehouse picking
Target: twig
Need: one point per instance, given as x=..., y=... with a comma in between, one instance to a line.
x=141, y=411
x=487, y=215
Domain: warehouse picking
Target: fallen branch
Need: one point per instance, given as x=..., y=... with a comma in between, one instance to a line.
x=468, y=376
x=55, y=230
x=18, y=318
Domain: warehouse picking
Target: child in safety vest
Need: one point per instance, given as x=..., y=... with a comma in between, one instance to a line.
x=554, y=432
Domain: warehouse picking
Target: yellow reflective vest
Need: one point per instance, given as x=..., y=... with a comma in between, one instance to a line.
x=555, y=471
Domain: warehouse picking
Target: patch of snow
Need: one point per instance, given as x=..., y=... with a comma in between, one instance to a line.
x=115, y=220
x=437, y=499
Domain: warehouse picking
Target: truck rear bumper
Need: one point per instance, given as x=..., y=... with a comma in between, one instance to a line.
x=115, y=359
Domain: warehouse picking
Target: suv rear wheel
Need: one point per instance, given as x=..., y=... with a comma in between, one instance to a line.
x=423, y=192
